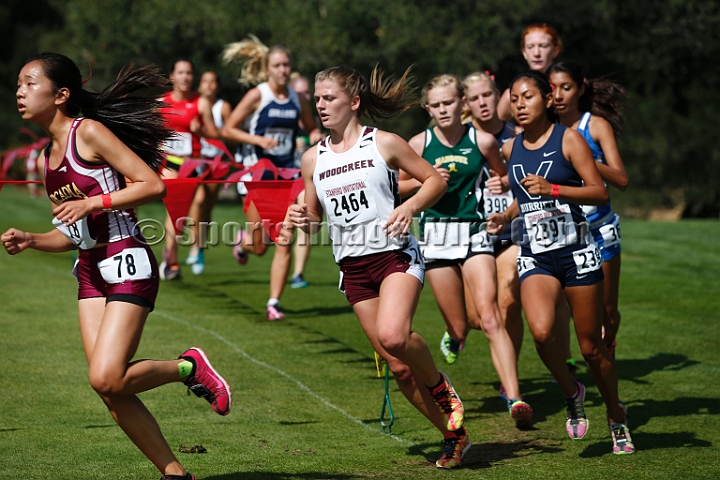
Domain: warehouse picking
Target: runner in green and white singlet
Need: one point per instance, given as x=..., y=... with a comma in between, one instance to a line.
x=459, y=257
x=462, y=162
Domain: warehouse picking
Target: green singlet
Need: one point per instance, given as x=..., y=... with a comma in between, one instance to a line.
x=464, y=162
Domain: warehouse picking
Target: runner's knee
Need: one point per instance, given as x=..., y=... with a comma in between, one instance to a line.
x=105, y=383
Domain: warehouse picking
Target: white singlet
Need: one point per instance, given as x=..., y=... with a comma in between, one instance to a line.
x=358, y=192
x=217, y=113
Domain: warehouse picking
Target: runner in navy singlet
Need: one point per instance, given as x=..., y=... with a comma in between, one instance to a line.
x=84, y=169
x=551, y=172
x=266, y=123
x=352, y=176
x=540, y=45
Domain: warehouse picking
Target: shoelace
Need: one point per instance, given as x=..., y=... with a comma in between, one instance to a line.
x=575, y=407
x=449, y=447
x=441, y=398
x=618, y=430
x=198, y=389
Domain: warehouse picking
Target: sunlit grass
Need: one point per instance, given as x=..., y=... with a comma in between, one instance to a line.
x=307, y=397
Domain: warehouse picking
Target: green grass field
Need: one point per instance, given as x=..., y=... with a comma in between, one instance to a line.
x=307, y=396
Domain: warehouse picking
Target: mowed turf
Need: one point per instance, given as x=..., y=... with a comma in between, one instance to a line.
x=307, y=397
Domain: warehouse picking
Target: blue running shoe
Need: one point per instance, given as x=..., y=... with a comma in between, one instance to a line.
x=192, y=256
x=298, y=281
x=199, y=266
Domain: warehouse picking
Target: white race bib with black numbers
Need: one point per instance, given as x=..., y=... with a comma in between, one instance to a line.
x=130, y=264
x=481, y=242
x=284, y=137
x=588, y=259
x=179, y=144
x=550, y=229
x=496, y=203
x=350, y=202
x=445, y=240
x=611, y=232
x=208, y=150
x=525, y=264
x=78, y=233
x=588, y=209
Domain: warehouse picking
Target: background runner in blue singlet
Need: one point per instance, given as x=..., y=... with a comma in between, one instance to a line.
x=594, y=108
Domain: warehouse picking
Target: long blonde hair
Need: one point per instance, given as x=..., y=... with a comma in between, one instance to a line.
x=255, y=55
x=380, y=98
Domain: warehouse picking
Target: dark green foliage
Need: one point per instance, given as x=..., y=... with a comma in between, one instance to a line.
x=663, y=51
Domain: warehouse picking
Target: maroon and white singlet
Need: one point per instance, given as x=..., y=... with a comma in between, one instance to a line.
x=358, y=191
x=114, y=258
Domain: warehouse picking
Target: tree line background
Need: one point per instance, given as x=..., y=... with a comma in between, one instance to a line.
x=665, y=52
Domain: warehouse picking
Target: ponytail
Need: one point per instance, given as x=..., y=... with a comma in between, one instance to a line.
x=380, y=98
x=254, y=56
x=134, y=119
x=601, y=97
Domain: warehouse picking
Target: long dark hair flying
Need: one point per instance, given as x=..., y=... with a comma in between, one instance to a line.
x=601, y=97
x=132, y=117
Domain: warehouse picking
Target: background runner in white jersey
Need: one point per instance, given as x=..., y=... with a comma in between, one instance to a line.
x=352, y=177
x=206, y=193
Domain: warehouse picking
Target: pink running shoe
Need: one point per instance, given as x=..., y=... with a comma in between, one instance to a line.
x=274, y=313
x=207, y=383
x=622, y=441
x=456, y=445
x=576, y=422
x=240, y=255
x=522, y=413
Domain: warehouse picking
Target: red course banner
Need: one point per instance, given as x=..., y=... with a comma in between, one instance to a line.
x=271, y=197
